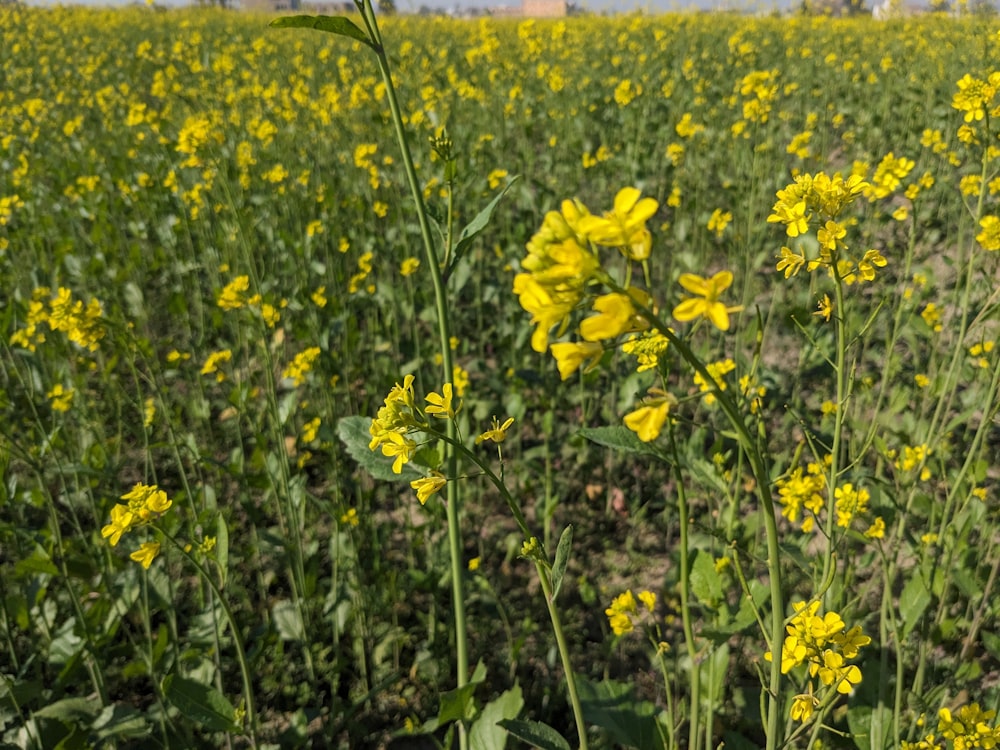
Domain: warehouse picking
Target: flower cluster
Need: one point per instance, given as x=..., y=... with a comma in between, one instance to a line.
x=564, y=272
x=81, y=323
x=624, y=608
x=144, y=504
x=818, y=201
x=399, y=423
x=824, y=644
x=235, y=295
x=800, y=491
x=967, y=728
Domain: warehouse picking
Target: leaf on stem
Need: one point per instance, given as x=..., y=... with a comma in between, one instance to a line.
x=340, y=25
x=562, y=558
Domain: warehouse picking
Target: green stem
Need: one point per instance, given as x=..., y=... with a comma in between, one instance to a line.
x=574, y=697
x=685, y=592
x=444, y=335
x=241, y=656
x=756, y=452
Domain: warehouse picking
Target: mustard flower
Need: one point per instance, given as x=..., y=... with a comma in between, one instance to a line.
x=717, y=371
x=213, y=361
x=61, y=398
x=706, y=304
x=440, y=405
x=850, y=502
x=427, y=486
x=350, y=517
x=825, y=308
x=409, y=266
x=647, y=349
x=570, y=356
x=620, y=611
x=497, y=433
x=300, y=365
x=647, y=421
x=718, y=221
x=803, y=706
x=233, y=296
x=122, y=521
x=790, y=262
x=146, y=553
x=989, y=238
x=625, y=226
x=616, y=315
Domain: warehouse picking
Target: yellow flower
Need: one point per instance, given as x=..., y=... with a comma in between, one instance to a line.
x=707, y=303
x=301, y=365
x=571, y=355
x=615, y=317
x=474, y=564
x=495, y=177
x=310, y=429
x=62, y=398
x=350, y=518
x=441, y=404
x=803, y=706
x=319, y=297
x=213, y=361
x=427, y=486
x=498, y=433
x=409, y=266
x=625, y=226
x=825, y=308
x=148, y=412
x=718, y=221
x=647, y=421
x=233, y=295
x=146, y=553
x=122, y=521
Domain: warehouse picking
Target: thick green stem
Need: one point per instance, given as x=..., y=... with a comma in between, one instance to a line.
x=444, y=335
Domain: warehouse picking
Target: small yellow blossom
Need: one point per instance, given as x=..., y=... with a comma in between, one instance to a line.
x=146, y=553
x=427, y=486
x=497, y=433
x=61, y=398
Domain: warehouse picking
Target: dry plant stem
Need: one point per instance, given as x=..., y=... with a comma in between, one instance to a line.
x=444, y=335
x=241, y=656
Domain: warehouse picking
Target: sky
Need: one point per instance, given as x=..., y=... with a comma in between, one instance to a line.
x=595, y=6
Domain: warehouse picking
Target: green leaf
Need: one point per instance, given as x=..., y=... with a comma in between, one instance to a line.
x=914, y=599
x=562, y=558
x=222, y=548
x=354, y=433
x=200, y=703
x=486, y=733
x=859, y=719
x=535, y=734
x=70, y=710
x=613, y=707
x=288, y=621
x=121, y=721
x=704, y=579
x=458, y=704
x=475, y=227
x=340, y=25
x=620, y=438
